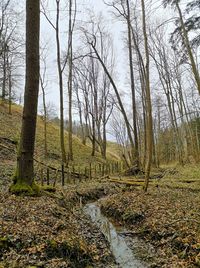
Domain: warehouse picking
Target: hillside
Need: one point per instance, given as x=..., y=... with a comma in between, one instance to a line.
x=10, y=128
x=9, y=138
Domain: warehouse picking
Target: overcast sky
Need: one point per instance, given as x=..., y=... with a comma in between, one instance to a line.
x=115, y=27
x=48, y=39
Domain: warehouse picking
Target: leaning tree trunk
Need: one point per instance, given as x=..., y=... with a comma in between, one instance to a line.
x=24, y=181
x=119, y=101
x=189, y=49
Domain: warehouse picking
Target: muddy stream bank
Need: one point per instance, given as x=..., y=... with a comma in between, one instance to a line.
x=129, y=252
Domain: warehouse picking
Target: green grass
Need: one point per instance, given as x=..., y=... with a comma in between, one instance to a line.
x=11, y=126
x=176, y=177
x=187, y=177
x=114, y=149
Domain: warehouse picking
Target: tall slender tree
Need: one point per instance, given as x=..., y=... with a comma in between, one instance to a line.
x=60, y=68
x=24, y=180
x=70, y=147
x=149, y=122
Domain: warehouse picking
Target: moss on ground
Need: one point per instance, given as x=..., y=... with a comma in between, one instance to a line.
x=48, y=188
x=20, y=188
x=4, y=243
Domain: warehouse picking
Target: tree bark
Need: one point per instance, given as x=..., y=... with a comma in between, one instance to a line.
x=119, y=101
x=45, y=116
x=70, y=145
x=137, y=162
x=148, y=104
x=62, y=134
x=25, y=163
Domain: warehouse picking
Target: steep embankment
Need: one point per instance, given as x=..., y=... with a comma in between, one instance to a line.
x=10, y=128
x=9, y=137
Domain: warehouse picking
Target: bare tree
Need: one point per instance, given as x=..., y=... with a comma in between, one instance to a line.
x=149, y=122
x=60, y=68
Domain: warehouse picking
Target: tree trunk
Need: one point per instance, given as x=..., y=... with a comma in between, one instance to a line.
x=137, y=162
x=62, y=134
x=119, y=101
x=148, y=104
x=25, y=165
x=9, y=91
x=70, y=148
x=45, y=117
x=4, y=74
x=189, y=49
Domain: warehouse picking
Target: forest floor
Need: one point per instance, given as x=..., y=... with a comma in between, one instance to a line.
x=52, y=231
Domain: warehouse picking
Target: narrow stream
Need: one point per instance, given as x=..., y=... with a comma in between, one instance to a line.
x=123, y=254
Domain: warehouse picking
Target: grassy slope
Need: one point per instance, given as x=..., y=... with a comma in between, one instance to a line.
x=10, y=128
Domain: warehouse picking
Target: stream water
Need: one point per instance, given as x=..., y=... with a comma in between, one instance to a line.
x=123, y=254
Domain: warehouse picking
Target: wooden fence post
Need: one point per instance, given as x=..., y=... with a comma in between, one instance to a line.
x=68, y=180
x=90, y=172
x=56, y=176
x=79, y=174
x=95, y=171
x=63, y=174
x=85, y=173
x=103, y=170
x=42, y=177
x=73, y=171
x=100, y=172
x=47, y=176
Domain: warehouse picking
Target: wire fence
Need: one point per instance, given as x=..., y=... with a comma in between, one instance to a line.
x=48, y=175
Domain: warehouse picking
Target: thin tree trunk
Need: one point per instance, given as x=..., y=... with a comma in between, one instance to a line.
x=189, y=49
x=119, y=101
x=62, y=135
x=137, y=162
x=148, y=104
x=9, y=91
x=4, y=74
x=70, y=145
x=45, y=117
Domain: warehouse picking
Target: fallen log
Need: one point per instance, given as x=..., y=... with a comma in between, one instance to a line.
x=130, y=183
x=104, y=177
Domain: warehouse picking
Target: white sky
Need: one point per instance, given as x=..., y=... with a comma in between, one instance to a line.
x=116, y=28
x=48, y=37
